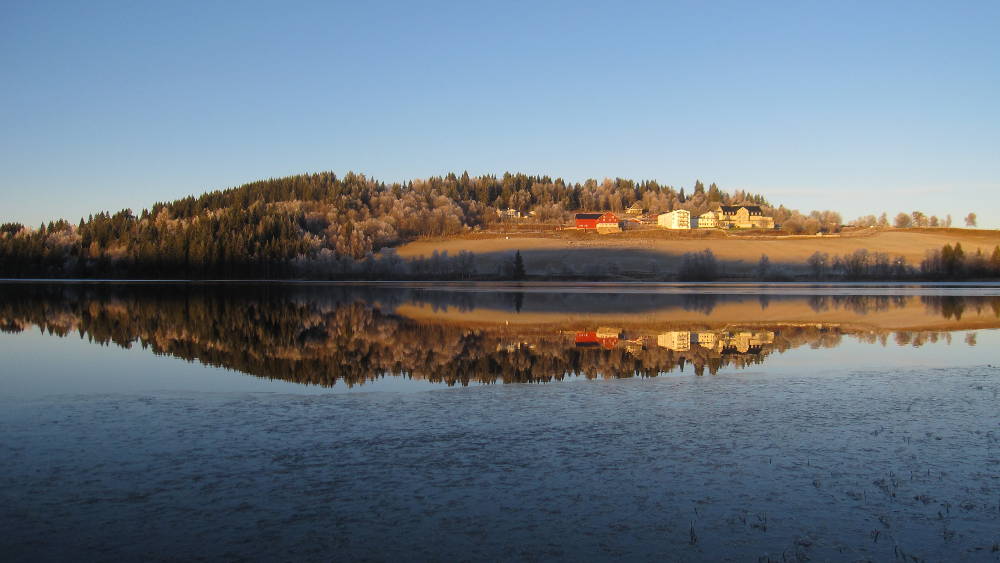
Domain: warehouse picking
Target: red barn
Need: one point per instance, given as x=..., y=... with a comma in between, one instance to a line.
x=595, y=220
x=595, y=340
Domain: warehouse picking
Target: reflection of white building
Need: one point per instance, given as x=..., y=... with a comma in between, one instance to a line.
x=678, y=219
x=677, y=340
x=635, y=346
x=742, y=341
x=707, y=339
x=514, y=346
x=607, y=332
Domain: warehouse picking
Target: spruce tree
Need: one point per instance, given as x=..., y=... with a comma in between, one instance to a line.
x=714, y=194
x=519, y=272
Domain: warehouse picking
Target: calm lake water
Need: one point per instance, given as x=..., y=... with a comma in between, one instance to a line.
x=443, y=421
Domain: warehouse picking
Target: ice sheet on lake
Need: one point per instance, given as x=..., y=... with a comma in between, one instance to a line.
x=876, y=465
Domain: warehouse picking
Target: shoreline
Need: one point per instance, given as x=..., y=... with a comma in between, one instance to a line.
x=518, y=283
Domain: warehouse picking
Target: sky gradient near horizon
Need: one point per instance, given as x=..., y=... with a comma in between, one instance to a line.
x=860, y=107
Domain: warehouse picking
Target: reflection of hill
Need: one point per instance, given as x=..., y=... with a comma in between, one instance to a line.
x=868, y=312
x=322, y=335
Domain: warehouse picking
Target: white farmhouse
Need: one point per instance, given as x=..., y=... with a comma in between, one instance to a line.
x=678, y=219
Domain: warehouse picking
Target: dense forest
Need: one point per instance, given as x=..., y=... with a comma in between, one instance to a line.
x=324, y=223
x=324, y=336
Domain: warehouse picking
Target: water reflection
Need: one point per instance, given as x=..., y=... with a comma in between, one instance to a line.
x=349, y=335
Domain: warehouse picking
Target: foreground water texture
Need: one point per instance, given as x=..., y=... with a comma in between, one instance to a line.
x=654, y=422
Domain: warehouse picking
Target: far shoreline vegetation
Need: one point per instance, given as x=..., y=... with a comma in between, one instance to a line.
x=324, y=227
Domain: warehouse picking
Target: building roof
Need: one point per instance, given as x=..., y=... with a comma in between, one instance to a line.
x=732, y=209
x=589, y=215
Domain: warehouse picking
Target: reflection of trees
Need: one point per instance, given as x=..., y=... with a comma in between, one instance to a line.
x=819, y=303
x=860, y=304
x=610, y=300
x=322, y=335
x=702, y=303
x=952, y=307
x=949, y=306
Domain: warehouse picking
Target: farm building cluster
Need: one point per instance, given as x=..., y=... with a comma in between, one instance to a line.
x=742, y=342
x=601, y=221
x=723, y=217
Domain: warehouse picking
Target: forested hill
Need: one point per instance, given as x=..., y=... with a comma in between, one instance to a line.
x=264, y=228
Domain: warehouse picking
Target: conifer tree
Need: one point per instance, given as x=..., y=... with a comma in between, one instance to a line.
x=519, y=272
x=714, y=194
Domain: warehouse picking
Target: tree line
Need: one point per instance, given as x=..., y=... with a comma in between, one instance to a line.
x=905, y=220
x=947, y=263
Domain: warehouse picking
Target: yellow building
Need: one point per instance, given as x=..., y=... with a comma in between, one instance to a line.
x=707, y=220
x=743, y=217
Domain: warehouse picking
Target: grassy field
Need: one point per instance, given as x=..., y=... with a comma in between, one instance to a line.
x=912, y=315
x=653, y=252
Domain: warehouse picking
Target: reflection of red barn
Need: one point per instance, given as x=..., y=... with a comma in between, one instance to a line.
x=591, y=340
x=595, y=220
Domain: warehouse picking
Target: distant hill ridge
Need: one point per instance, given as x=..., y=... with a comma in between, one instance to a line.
x=329, y=225
x=257, y=229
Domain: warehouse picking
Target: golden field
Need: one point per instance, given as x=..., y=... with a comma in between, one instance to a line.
x=654, y=252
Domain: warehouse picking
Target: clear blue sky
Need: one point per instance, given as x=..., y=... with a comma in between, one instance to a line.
x=855, y=106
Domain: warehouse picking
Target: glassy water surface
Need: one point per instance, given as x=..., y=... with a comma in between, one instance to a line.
x=83, y=338
x=593, y=421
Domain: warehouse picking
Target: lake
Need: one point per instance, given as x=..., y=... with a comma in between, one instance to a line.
x=443, y=421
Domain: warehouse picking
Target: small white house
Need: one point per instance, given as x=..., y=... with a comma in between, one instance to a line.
x=509, y=213
x=707, y=220
x=677, y=219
